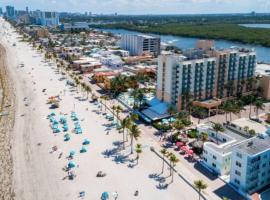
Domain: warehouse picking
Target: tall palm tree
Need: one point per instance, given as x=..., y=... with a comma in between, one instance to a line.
x=138, y=151
x=200, y=186
x=173, y=160
x=125, y=124
x=251, y=100
x=164, y=153
x=217, y=127
x=259, y=105
x=113, y=110
x=134, y=134
x=118, y=109
x=105, y=98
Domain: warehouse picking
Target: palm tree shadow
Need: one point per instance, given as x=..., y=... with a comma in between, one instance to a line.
x=116, y=153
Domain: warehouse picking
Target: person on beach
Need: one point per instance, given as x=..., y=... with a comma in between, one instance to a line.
x=115, y=195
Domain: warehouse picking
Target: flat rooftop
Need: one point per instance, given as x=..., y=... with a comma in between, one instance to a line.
x=224, y=148
x=254, y=146
x=243, y=122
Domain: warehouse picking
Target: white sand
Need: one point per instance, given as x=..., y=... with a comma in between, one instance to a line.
x=38, y=174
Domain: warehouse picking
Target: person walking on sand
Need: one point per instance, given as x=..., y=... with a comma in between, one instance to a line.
x=115, y=195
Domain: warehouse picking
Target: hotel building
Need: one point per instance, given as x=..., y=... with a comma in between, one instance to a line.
x=137, y=45
x=204, y=74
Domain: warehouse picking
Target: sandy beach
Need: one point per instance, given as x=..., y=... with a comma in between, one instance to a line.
x=38, y=172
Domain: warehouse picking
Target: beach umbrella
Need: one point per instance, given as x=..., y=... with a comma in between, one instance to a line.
x=71, y=164
x=86, y=142
x=71, y=153
x=105, y=196
x=67, y=137
x=83, y=149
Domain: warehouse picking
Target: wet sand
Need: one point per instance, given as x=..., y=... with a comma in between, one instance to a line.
x=6, y=125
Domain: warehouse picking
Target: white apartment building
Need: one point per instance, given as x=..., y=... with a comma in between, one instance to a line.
x=250, y=171
x=137, y=45
x=217, y=154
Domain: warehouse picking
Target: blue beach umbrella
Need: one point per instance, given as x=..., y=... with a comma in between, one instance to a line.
x=71, y=164
x=71, y=153
x=105, y=196
x=66, y=137
x=86, y=142
x=83, y=149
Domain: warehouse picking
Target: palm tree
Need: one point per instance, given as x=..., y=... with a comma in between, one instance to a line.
x=164, y=153
x=105, y=98
x=251, y=99
x=125, y=124
x=200, y=185
x=173, y=160
x=134, y=134
x=252, y=133
x=138, y=151
x=118, y=109
x=259, y=105
x=217, y=127
x=113, y=109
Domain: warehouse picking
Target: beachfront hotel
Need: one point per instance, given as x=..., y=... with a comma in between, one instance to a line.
x=250, y=170
x=138, y=45
x=204, y=74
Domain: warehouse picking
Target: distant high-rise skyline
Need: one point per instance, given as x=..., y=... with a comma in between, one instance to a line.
x=146, y=6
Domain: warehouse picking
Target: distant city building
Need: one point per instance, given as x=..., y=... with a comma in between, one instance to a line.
x=1, y=11
x=204, y=75
x=250, y=171
x=76, y=26
x=26, y=9
x=49, y=19
x=140, y=44
x=10, y=12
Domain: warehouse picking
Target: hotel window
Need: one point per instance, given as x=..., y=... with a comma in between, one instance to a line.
x=214, y=157
x=214, y=165
x=237, y=173
x=237, y=181
x=238, y=164
x=239, y=155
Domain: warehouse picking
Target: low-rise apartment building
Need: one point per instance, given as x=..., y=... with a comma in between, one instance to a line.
x=217, y=153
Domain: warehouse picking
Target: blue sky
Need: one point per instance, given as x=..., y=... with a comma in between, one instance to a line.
x=144, y=6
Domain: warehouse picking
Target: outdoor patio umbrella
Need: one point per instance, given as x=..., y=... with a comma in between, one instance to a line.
x=179, y=144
